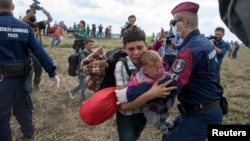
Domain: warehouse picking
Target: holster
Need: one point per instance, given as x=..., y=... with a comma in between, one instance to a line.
x=224, y=105
x=13, y=70
x=182, y=109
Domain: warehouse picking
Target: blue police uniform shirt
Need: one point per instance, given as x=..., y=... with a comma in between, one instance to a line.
x=196, y=72
x=17, y=38
x=224, y=48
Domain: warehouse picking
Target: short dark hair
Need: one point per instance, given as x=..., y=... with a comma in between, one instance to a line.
x=133, y=34
x=28, y=10
x=5, y=4
x=89, y=40
x=220, y=29
x=131, y=16
x=83, y=22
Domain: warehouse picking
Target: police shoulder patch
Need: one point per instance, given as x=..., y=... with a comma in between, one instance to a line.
x=178, y=65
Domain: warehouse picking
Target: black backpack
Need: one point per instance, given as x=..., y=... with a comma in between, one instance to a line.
x=73, y=63
x=113, y=56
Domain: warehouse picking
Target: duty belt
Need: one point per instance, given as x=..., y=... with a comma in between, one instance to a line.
x=12, y=70
x=202, y=107
x=186, y=108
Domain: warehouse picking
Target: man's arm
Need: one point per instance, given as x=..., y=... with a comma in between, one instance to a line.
x=32, y=13
x=223, y=50
x=49, y=18
x=27, y=16
x=156, y=91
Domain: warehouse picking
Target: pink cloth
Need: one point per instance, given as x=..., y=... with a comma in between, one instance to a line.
x=140, y=77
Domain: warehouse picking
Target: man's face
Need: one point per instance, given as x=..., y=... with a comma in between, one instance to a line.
x=131, y=21
x=89, y=46
x=33, y=16
x=134, y=50
x=219, y=35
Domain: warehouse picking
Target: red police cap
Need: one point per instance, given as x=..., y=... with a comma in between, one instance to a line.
x=186, y=6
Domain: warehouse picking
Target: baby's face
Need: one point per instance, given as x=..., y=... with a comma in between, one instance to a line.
x=153, y=70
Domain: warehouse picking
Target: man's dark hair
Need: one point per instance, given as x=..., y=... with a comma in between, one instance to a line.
x=133, y=34
x=83, y=22
x=5, y=4
x=131, y=16
x=28, y=10
x=220, y=29
x=89, y=40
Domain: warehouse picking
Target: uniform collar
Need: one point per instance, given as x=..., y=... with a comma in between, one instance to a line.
x=6, y=13
x=189, y=36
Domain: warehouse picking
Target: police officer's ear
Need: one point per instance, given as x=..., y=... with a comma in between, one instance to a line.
x=12, y=7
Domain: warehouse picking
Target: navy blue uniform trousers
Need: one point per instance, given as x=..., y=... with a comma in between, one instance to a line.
x=15, y=94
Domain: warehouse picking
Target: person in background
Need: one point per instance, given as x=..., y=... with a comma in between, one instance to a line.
x=220, y=45
x=93, y=31
x=230, y=50
x=89, y=44
x=235, y=49
x=130, y=23
x=88, y=31
x=99, y=34
x=80, y=37
x=110, y=32
x=37, y=70
x=57, y=35
x=169, y=49
x=106, y=32
x=15, y=66
x=37, y=27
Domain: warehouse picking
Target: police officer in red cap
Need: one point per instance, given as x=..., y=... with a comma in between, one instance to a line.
x=196, y=75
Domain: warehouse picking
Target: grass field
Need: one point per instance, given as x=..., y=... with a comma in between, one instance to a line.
x=56, y=116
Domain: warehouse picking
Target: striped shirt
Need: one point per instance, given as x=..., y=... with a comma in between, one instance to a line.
x=122, y=78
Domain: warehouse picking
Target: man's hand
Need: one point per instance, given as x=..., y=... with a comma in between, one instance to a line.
x=174, y=45
x=55, y=81
x=212, y=41
x=161, y=90
x=121, y=96
x=162, y=34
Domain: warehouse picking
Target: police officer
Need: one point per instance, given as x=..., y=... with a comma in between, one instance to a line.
x=17, y=39
x=30, y=18
x=195, y=71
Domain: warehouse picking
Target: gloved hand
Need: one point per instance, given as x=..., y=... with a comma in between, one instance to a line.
x=121, y=96
x=55, y=81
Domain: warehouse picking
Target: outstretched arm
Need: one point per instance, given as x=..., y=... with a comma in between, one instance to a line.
x=156, y=91
x=28, y=15
x=49, y=18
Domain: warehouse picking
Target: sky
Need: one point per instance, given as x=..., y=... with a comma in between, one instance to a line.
x=151, y=15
